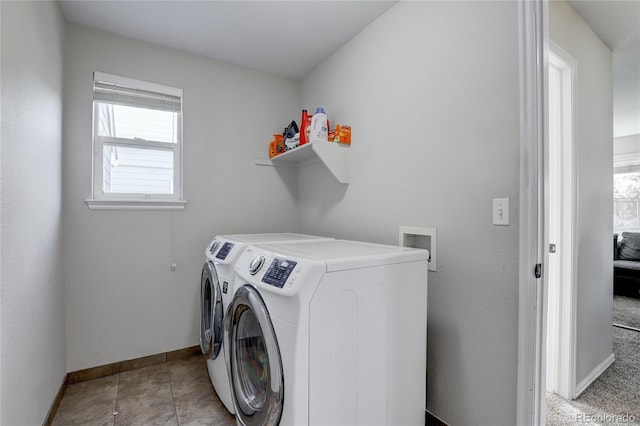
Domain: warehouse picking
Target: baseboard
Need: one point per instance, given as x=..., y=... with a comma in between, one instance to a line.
x=583, y=385
x=119, y=367
x=56, y=402
x=431, y=420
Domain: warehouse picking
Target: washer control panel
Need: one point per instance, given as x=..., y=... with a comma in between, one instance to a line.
x=278, y=272
x=224, y=251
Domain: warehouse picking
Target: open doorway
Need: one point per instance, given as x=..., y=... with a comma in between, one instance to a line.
x=560, y=216
x=595, y=342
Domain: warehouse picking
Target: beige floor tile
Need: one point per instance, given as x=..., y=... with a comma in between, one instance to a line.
x=195, y=399
x=144, y=397
x=106, y=421
x=89, y=401
x=149, y=408
x=197, y=404
x=146, y=401
x=153, y=375
x=174, y=393
x=189, y=370
x=146, y=419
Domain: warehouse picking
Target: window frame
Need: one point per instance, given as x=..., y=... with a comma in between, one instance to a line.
x=625, y=164
x=101, y=200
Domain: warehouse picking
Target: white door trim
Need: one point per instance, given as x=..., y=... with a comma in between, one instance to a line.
x=532, y=17
x=565, y=336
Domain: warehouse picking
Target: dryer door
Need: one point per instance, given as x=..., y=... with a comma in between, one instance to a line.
x=211, y=313
x=253, y=360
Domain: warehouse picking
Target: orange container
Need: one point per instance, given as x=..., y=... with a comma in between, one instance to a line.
x=343, y=134
x=304, y=124
x=276, y=146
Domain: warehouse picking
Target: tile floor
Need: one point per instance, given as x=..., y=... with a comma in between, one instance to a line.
x=172, y=393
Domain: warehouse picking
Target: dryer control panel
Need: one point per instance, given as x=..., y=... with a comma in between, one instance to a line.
x=285, y=274
x=224, y=251
x=278, y=272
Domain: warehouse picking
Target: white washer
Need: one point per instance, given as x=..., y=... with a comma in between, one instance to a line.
x=332, y=332
x=216, y=294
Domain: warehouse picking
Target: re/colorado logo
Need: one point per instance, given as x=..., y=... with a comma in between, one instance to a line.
x=605, y=418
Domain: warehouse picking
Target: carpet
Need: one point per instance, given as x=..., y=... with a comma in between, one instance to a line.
x=626, y=311
x=613, y=398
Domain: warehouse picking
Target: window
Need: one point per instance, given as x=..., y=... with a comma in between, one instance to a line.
x=626, y=192
x=137, y=144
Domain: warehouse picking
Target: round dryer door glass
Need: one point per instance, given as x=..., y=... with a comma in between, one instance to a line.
x=205, y=310
x=252, y=362
x=211, y=315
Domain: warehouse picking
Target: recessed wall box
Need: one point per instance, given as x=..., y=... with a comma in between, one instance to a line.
x=418, y=237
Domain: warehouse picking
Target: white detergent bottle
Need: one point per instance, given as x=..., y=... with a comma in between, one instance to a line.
x=318, y=129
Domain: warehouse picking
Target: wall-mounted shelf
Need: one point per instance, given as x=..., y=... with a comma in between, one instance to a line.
x=334, y=156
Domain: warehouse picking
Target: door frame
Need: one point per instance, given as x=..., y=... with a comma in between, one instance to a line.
x=533, y=27
x=565, y=335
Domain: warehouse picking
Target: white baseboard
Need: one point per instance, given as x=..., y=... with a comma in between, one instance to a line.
x=583, y=385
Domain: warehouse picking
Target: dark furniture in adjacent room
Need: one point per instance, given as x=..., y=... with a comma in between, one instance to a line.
x=626, y=264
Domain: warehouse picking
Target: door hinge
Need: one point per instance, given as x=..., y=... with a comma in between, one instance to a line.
x=538, y=270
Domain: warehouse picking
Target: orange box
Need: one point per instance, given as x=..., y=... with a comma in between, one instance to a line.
x=343, y=134
x=276, y=146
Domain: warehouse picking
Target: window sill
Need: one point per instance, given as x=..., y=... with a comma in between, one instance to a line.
x=124, y=204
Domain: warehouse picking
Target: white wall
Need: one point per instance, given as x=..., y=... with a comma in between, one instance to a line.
x=122, y=300
x=32, y=303
x=626, y=145
x=595, y=184
x=431, y=92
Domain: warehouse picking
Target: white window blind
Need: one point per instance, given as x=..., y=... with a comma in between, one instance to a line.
x=137, y=144
x=120, y=95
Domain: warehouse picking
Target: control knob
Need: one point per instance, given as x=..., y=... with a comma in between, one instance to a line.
x=214, y=247
x=256, y=264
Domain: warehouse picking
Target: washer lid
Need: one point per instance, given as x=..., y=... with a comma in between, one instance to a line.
x=225, y=249
x=342, y=254
x=274, y=237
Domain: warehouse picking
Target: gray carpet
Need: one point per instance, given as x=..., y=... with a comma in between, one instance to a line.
x=613, y=398
x=626, y=311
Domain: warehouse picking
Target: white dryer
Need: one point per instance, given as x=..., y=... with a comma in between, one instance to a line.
x=216, y=294
x=332, y=332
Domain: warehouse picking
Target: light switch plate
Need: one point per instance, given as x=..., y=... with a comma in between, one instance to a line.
x=501, y=211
